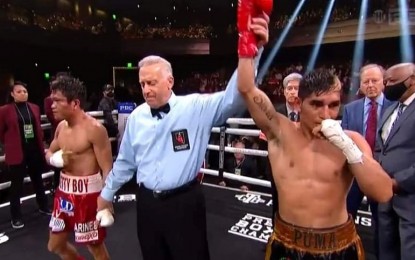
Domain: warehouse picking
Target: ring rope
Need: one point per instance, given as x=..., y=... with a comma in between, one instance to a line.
x=237, y=131
x=240, y=178
x=240, y=121
x=239, y=150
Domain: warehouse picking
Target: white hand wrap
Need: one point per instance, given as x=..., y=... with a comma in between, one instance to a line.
x=105, y=218
x=333, y=131
x=56, y=159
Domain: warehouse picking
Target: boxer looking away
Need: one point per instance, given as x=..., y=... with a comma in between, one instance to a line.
x=82, y=148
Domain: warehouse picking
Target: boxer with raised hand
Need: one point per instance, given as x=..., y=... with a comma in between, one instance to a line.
x=82, y=149
x=313, y=164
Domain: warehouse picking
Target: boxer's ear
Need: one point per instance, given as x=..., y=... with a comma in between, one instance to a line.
x=76, y=103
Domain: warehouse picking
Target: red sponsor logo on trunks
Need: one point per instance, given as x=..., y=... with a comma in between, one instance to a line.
x=86, y=237
x=73, y=185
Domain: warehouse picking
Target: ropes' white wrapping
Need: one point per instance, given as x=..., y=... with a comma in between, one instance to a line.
x=240, y=121
x=236, y=131
x=91, y=113
x=239, y=150
x=48, y=125
x=240, y=178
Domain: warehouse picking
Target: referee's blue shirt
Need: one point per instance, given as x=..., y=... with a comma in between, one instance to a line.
x=167, y=153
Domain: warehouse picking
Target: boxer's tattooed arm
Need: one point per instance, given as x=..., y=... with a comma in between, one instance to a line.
x=262, y=104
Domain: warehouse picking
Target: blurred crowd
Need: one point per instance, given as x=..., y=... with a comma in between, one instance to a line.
x=129, y=29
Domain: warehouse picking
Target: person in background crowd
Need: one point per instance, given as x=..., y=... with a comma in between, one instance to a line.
x=290, y=108
x=107, y=105
x=241, y=165
x=22, y=136
x=363, y=116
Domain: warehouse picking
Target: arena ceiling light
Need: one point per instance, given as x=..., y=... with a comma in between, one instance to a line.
x=279, y=42
x=406, y=40
x=316, y=49
x=359, y=48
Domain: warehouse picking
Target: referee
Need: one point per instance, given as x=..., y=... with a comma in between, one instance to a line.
x=165, y=142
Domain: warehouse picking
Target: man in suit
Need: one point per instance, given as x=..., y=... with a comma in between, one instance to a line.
x=395, y=152
x=363, y=116
x=290, y=109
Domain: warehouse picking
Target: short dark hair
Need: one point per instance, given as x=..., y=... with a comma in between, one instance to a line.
x=317, y=82
x=9, y=98
x=20, y=83
x=107, y=87
x=72, y=88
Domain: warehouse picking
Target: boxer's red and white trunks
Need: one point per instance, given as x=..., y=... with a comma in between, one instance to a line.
x=75, y=208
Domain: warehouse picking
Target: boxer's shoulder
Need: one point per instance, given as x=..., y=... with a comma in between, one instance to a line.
x=92, y=124
x=353, y=134
x=358, y=139
x=61, y=125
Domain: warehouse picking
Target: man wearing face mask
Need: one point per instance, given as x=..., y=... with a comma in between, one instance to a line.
x=107, y=105
x=395, y=152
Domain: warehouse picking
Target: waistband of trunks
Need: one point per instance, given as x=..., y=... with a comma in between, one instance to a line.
x=316, y=241
x=80, y=185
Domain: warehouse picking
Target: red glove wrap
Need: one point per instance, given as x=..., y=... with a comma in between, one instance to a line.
x=247, y=9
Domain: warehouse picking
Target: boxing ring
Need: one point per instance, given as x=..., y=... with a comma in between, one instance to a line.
x=239, y=223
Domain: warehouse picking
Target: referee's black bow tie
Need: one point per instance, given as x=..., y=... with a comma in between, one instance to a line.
x=156, y=111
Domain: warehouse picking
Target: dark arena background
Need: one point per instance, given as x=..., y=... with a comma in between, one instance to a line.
x=101, y=41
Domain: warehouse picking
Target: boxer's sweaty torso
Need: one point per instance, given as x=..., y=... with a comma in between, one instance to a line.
x=75, y=202
x=76, y=140
x=311, y=178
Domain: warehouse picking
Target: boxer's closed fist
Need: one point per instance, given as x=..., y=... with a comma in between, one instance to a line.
x=67, y=157
x=56, y=159
x=333, y=131
x=248, y=9
x=105, y=218
x=105, y=212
